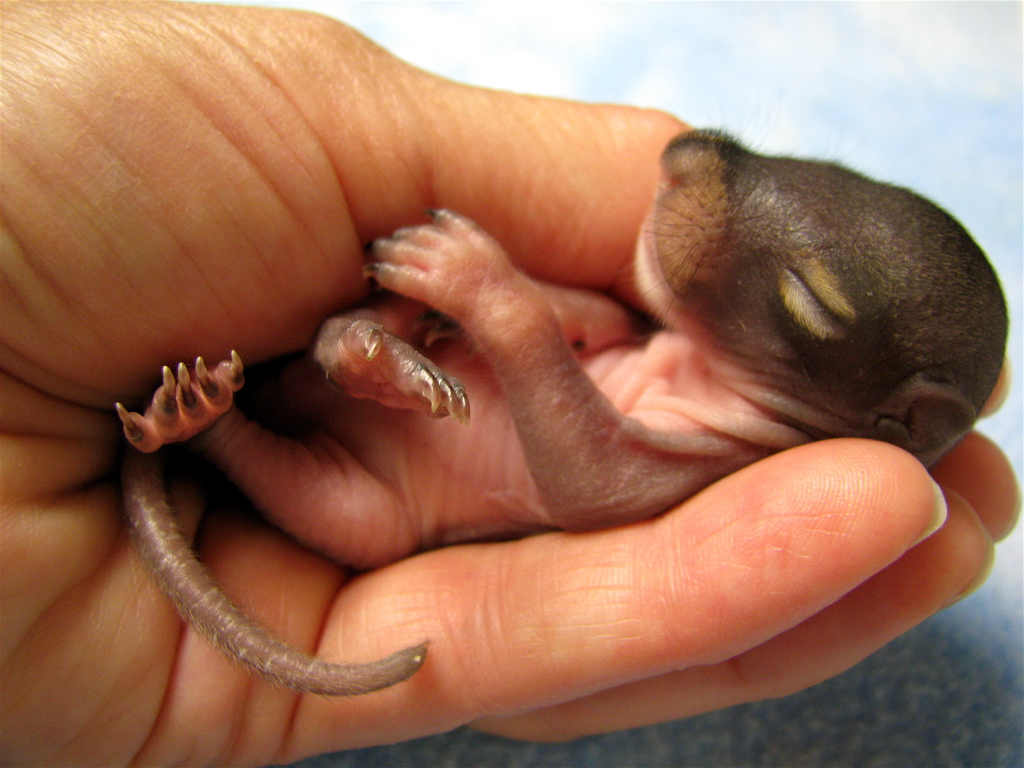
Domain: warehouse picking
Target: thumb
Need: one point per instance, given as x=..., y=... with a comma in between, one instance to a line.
x=190, y=179
x=562, y=185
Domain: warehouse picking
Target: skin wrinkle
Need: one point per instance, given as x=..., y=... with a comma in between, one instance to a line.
x=180, y=659
x=85, y=504
x=35, y=267
x=79, y=601
x=111, y=704
x=374, y=148
x=757, y=672
x=129, y=179
x=754, y=554
x=199, y=699
x=97, y=217
x=675, y=611
x=11, y=247
x=334, y=729
x=228, y=146
x=496, y=622
x=256, y=167
x=258, y=107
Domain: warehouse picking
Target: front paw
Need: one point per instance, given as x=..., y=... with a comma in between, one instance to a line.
x=367, y=361
x=449, y=264
x=183, y=407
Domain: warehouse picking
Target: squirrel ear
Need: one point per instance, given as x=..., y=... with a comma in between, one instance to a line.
x=926, y=418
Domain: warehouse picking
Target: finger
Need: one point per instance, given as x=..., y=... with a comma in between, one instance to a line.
x=936, y=572
x=304, y=142
x=556, y=617
x=979, y=471
x=286, y=588
x=566, y=199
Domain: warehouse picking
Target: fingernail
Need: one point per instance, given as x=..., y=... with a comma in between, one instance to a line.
x=939, y=512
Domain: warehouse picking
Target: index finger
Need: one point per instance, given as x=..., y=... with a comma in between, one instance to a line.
x=518, y=625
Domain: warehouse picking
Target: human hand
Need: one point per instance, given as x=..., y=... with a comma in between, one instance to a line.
x=182, y=180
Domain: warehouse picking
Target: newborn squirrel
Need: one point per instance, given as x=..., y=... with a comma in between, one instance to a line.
x=795, y=300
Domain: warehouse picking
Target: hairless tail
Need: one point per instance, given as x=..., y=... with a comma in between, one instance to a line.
x=188, y=584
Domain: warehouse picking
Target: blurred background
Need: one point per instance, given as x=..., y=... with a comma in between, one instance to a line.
x=925, y=95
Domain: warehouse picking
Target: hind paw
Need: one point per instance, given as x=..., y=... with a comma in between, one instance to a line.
x=367, y=361
x=185, y=404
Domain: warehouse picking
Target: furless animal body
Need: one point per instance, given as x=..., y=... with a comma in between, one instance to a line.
x=796, y=300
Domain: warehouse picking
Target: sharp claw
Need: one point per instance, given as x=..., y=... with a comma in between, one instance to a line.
x=236, y=367
x=374, y=343
x=459, y=404
x=164, y=399
x=207, y=383
x=445, y=386
x=430, y=391
x=188, y=397
x=131, y=423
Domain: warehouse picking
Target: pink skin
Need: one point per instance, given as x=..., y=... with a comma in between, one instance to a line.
x=336, y=482
x=576, y=425
x=185, y=405
x=580, y=423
